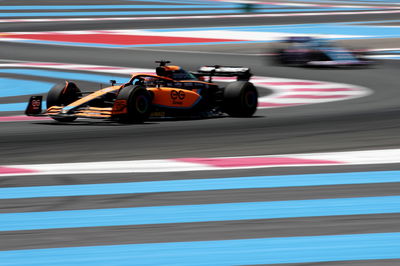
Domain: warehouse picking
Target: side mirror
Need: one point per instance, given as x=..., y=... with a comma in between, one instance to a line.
x=113, y=82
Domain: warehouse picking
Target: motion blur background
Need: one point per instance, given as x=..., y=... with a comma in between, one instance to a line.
x=311, y=179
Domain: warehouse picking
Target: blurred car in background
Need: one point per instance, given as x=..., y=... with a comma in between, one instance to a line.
x=309, y=51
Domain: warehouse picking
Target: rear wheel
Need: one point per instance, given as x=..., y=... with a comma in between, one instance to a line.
x=62, y=95
x=138, y=105
x=240, y=99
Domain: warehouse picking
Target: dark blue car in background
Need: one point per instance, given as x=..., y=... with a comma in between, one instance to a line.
x=309, y=51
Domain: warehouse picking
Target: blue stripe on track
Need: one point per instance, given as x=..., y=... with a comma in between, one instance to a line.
x=364, y=31
x=175, y=12
x=202, y=184
x=32, y=87
x=387, y=52
x=392, y=57
x=198, y=213
x=278, y=250
x=13, y=107
x=103, y=78
x=108, y=7
x=15, y=87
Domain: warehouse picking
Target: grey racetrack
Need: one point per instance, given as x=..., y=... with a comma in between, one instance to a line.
x=367, y=123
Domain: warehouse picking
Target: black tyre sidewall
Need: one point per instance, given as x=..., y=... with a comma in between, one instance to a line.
x=61, y=95
x=138, y=104
x=240, y=99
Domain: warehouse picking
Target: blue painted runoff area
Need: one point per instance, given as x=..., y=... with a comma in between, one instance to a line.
x=202, y=184
x=279, y=250
x=26, y=87
x=162, y=12
x=364, y=31
x=108, y=7
x=63, y=75
x=15, y=87
x=198, y=213
x=16, y=107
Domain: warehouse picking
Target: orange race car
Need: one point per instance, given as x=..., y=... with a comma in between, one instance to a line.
x=172, y=92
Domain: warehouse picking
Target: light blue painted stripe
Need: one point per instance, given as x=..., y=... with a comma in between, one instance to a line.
x=369, y=22
x=387, y=52
x=43, y=87
x=323, y=28
x=392, y=57
x=13, y=107
x=15, y=87
x=202, y=184
x=175, y=12
x=16, y=107
x=308, y=249
x=198, y=213
x=94, y=7
x=63, y=75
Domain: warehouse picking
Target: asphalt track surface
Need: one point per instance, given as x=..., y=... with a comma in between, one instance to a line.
x=366, y=123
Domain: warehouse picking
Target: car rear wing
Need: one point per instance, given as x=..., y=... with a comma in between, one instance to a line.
x=242, y=73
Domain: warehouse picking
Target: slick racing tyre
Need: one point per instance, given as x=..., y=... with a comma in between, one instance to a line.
x=61, y=95
x=240, y=99
x=138, y=104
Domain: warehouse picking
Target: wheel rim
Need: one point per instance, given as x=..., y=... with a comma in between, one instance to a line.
x=142, y=104
x=250, y=99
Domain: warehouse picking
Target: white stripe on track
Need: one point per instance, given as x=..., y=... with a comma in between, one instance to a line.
x=388, y=156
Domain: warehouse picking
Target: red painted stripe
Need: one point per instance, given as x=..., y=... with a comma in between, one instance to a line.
x=322, y=90
x=10, y=170
x=22, y=118
x=254, y=161
x=300, y=96
x=114, y=39
x=291, y=83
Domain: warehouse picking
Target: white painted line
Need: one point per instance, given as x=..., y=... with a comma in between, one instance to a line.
x=388, y=156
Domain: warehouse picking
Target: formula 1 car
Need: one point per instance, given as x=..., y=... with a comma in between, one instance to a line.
x=171, y=92
x=308, y=51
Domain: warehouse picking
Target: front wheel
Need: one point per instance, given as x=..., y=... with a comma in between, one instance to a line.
x=240, y=99
x=134, y=105
x=62, y=95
